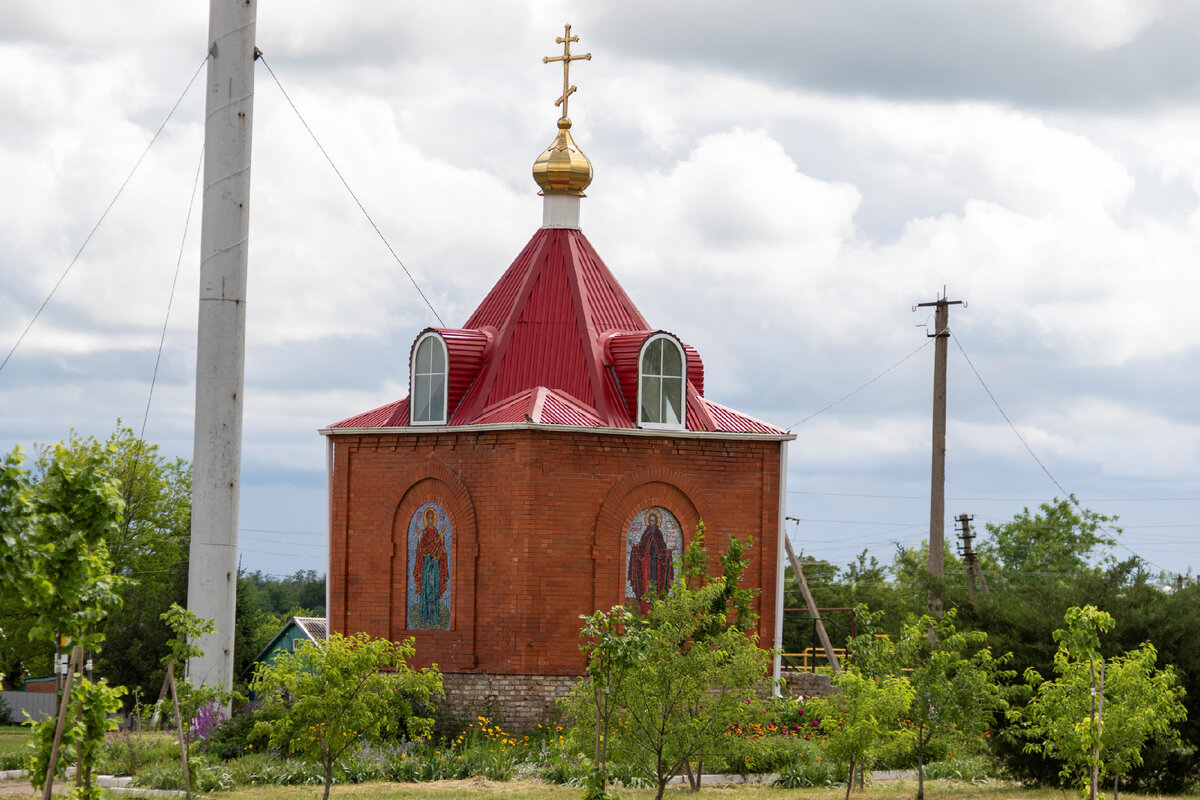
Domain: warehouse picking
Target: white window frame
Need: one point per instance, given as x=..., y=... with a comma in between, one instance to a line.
x=414, y=374
x=641, y=378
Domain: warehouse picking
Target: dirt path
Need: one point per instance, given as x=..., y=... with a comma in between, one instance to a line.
x=17, y=788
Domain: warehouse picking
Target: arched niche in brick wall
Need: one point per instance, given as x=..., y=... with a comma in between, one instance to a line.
x=629, y=497
x=434, y=486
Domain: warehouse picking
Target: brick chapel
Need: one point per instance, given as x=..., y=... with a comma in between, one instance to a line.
x=554, y=455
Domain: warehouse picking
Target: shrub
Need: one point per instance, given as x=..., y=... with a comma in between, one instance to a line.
x=6, y=715
x=230, y=738
x=128, y=753
x=206, y=775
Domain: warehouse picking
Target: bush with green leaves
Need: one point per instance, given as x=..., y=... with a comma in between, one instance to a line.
x=323, y=701
x=232, y=737
x=862, y=722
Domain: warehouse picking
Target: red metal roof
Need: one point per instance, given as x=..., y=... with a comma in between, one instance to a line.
x=556, y=342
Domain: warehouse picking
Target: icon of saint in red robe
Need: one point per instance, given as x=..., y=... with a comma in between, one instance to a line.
x=650, y=570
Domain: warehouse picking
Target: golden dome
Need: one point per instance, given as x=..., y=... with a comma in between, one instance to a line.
x=563, y=168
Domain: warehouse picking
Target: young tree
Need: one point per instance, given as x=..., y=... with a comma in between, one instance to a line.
x=679, y=700
x=863, y=720
x=58, y=530
x=955, y=682
x=186, y=627
x=1096, y=715
x=325, y=700
x=18, y=655
x=614, y=642
x=148, y=545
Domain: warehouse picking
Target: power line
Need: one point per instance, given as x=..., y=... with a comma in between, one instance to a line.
x=171, y=297
x=266, y=530
x=997, y=499
x=103, y=215
x=1020, y=438
x=342, y=178
x=860, y=388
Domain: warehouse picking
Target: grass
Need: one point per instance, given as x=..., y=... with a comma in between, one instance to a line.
x=481, y=789
x=12, y=744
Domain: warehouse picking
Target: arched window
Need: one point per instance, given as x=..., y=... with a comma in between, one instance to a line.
x=661, y=381
x=427, y=400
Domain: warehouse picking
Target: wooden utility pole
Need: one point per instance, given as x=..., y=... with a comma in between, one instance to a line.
x=812, y=606
x=974, y=573
x=937, y=488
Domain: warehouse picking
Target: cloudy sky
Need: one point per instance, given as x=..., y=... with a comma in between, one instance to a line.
x=777, y=182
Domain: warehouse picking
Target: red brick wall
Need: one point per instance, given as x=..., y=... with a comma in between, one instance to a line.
x=539, y=520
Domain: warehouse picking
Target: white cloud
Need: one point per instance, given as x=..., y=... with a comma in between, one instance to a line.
x=781, y=222
x=1091, y=433
x=1094, y=24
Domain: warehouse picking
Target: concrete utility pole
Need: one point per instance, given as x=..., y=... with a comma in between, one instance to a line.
x=221, y=345
x=937, y=490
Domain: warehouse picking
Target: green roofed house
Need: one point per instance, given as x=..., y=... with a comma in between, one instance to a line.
x=295, y=631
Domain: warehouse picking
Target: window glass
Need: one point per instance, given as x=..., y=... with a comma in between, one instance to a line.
x=651, y=399
x=428, y=395
x=672, y=358
x=672, y=395
x=661, y=383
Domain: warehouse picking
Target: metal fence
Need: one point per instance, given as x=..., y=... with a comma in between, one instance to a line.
x=37, y=704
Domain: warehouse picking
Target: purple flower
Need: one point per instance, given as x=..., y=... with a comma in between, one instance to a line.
x=208, y=719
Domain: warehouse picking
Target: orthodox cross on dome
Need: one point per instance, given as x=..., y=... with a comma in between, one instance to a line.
x=566, y=58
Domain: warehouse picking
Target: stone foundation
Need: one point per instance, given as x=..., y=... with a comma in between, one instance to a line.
x=518, y=703
x=809, y=684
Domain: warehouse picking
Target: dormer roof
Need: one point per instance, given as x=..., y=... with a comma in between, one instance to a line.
x=556, y=342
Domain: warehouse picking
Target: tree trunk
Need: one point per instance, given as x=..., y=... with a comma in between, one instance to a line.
x=850, y=782
x=1094, y=751
x=79, y=753
x=598, y=721
x=76, y=657
x=162, y=695
x=328, y=779
x=183, y=742
x=920, y=772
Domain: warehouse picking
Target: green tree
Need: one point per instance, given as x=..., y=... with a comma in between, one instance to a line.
x=265, y=603
x=148, y=546
x=87, y=726
x=57, y=533
x=862, y=721
x=955, y=682
x=1055, y=543
x=614, y=642
x=1096, y=715
x=326, y=700
x=186, y=627
x=19, y=657
x=678, y=701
